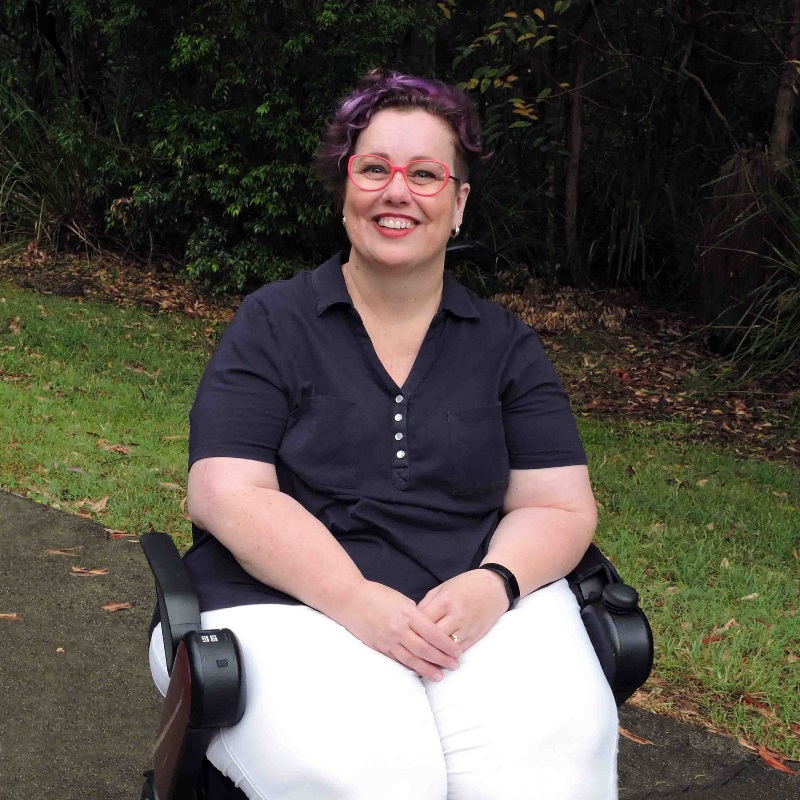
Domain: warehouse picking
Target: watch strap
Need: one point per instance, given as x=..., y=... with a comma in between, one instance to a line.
x=512, y=587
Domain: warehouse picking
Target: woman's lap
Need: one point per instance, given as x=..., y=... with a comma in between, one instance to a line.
x=527, y=715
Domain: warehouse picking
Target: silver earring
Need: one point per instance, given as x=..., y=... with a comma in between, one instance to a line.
x=454, y=232
x=344, y=220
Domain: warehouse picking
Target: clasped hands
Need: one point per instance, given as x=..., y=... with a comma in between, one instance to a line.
x=420, y=635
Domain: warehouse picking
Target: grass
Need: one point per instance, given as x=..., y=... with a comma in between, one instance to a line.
x=94, y=401
x=93, y=404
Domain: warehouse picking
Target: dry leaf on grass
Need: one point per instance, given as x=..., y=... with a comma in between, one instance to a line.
x=633, y=737
x=82, y=572
x=67, y=551
x=776, y=761
x=117, y=606
x=104, y=444
x=11, y=617
x=90, y=505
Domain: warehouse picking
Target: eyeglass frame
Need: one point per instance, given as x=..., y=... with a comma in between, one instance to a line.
x=403, y=171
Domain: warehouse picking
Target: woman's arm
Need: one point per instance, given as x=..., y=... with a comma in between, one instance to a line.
x=549, y=520
x=280, y=544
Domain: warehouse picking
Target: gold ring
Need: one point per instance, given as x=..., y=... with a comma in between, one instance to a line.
x=455, y=638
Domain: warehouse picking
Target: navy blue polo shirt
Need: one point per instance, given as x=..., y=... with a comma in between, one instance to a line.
x=409, y=479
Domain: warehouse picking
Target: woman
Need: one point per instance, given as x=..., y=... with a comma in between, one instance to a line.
x=381, y=466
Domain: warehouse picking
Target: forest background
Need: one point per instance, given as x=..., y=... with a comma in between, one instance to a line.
x=645, y=145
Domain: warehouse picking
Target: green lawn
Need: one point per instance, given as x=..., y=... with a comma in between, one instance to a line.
x=94, y=402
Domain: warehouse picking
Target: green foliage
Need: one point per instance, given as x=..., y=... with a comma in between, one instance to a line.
x=212, y=117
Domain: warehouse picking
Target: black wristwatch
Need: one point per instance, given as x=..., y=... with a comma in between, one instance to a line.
x=512, y=587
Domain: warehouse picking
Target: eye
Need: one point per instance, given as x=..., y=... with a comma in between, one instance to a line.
x=373, y=168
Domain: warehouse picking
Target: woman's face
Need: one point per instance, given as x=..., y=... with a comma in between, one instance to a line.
x=392, y=227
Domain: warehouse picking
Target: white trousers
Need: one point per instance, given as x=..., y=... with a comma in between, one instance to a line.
x=528, y=714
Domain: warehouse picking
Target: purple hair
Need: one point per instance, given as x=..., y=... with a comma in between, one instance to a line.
x=379, y=90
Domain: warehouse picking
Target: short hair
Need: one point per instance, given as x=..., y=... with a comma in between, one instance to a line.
x=379, y=90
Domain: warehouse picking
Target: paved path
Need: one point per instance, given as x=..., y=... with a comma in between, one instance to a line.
x=79, y=724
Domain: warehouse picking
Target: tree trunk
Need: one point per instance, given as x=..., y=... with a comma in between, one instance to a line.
x=787, y=88
x=572, y=178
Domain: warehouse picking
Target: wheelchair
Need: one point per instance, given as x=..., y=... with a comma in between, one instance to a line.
x=206, y=687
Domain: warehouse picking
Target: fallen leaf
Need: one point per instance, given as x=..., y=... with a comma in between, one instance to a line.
x=725, y=564
x=633, y=737
x=174, y=438
x=702, y=482
x=103, y=444
x=59, y=649
x=775, y=761
x=92, y=506
x=116, y=606
x=710, y=526
x=753, y=596
x=754, y=702
x=82, y=572
x=67, y=551
x=11, y=617
x=751, y=747
x=714, y=637
x=76, y=469
x=167, y=485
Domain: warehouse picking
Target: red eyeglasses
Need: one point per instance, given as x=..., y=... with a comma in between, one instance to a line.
x=372, y=173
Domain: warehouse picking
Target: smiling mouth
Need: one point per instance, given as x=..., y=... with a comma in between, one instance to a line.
x=396, y=223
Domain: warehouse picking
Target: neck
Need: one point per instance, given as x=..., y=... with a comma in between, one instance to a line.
x=394, y=296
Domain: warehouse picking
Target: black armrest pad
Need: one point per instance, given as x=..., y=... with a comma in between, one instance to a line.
x=177, y=599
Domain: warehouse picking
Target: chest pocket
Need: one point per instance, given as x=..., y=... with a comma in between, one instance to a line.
x=322, y=443
x=478, y=453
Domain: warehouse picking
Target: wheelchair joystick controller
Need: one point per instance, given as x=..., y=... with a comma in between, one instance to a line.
x=620, y=598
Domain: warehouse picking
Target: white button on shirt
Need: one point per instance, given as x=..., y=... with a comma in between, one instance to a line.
x=399, y=399
x=401, y=453
x=398, y=417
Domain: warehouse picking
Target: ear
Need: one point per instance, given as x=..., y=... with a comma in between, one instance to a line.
x=459, y=203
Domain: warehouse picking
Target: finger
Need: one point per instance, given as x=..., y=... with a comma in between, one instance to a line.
x=422, y=649
x=435, y=636
x=422, y=667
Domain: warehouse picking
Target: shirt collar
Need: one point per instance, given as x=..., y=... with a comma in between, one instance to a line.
x=330, y=290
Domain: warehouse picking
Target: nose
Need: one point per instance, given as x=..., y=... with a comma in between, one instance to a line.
x=397, y=190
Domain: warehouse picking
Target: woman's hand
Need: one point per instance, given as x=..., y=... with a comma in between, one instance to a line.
x=391, y=623
x=468, y=605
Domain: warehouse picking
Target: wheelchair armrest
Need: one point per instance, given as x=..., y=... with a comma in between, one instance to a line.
x=177, y=599
x=617, y=627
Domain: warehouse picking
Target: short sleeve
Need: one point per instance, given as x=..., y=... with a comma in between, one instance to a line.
x=240, y=409
x=539, y=426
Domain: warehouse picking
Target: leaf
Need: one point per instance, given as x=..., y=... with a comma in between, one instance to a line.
x=92, y=506
x=520, y=124
x=117, y=606
x=775, y=760
x=539, y=13
x=714, y=637
x=633, y=737
x=182, y=436
x=753, y=596
x=523, y=37
x=82, y=572
x=544, y=39
x=11, y=617
x=103, y=444
x=67, y=551
x=445, y=10
x=512, y=14
x=702, y=482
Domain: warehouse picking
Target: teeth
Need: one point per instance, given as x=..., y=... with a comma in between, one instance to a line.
x=389, y=222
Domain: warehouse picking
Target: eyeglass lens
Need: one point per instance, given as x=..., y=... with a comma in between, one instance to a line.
x=373, y=172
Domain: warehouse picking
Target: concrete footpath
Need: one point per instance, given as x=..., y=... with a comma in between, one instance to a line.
x=78, y=712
